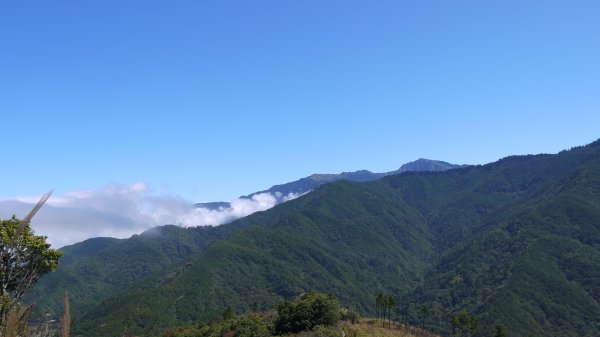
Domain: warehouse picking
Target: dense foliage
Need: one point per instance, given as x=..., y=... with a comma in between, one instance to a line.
x=251, y=325
x=24, y=258
x=514, y=243
x=306, y=313
x=312, y=312
x=98, y=268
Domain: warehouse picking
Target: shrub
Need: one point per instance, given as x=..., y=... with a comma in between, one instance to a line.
x=307, y=312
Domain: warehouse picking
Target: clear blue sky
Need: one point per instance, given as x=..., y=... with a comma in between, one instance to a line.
x=209, y=100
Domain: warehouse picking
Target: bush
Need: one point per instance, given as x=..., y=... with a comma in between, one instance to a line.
x=309, y=311
x=349, y=315
x=244, y=326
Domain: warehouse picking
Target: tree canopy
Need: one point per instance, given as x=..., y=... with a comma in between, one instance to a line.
x=308, y=311
x=24, y=258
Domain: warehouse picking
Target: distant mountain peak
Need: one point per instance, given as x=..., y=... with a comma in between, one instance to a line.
x=288, y=191
x=423, y=164
x=321, y=176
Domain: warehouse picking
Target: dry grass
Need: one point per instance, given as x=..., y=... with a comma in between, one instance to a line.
x=371, y=328
x=15, y=325
x=66, y=321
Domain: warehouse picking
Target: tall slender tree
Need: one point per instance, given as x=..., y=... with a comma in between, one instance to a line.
x=384, y=301
x=424, y=314
x=406, y=308
x=379, y=300
x=391, y=303
x=384, y=305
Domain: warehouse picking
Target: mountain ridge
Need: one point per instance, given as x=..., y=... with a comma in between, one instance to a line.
x=515, y=242
x=283, y=192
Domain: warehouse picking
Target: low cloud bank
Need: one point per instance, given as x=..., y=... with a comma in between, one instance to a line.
x=120, y=211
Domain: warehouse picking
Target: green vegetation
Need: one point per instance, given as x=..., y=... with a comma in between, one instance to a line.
x=24, y=258
x=311, y=315
x=513, y=243
x=312, y=312
x=98, y=268
x=307, y=312
x=384, y=303
x=466, y=324
x=251, y=325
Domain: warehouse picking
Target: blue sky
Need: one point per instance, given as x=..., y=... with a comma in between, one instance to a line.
x=209, y=100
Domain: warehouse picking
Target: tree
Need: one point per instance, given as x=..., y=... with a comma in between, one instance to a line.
x=424, y=314
x=379, y=303
x=307, y=312
x=24, y=258
x=383, y=305
x=391, y=303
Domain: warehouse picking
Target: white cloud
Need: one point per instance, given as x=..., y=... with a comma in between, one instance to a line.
x=291, y=196
x=121, y=211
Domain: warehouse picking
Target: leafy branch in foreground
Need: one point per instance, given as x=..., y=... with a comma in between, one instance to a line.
x=24, y=258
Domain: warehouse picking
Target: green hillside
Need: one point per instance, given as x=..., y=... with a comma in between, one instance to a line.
x=95, y=269
x=332, y=245
x=515, y=242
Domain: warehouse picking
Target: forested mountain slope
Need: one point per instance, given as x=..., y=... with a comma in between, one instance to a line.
x=321, y=242
x=515, y=242
x=97, y=268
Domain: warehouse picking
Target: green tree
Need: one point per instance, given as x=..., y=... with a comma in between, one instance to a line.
x=383, y=305
x=24, y=258
x=390, y=303
x=250, y=326
x=379, y=303
x=310, y=310
x=382, y=309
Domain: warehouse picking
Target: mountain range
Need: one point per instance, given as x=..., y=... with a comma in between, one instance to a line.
x=514, y=242
x=302, y=186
